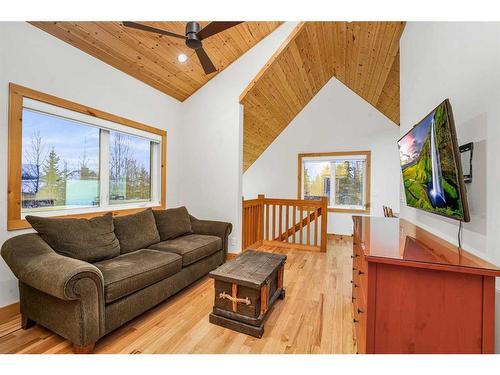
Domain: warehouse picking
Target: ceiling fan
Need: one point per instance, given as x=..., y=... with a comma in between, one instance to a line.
x=194, y=37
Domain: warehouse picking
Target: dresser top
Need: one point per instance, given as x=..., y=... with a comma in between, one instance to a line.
x=397, y=241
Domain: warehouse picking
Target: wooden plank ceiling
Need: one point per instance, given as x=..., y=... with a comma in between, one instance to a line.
x=362, y=55
x=152, y=58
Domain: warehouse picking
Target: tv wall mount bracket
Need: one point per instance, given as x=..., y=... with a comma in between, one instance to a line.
x=468, y=147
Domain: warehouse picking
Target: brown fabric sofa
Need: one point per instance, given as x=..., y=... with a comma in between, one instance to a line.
x=160, y=253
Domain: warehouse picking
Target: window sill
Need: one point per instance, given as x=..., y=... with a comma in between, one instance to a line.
x=349, y=210
x=18, y=224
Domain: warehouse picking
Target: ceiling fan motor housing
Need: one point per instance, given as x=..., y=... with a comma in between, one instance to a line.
x=192, y=40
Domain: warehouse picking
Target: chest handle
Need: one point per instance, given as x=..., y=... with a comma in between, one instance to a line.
x=245, y=300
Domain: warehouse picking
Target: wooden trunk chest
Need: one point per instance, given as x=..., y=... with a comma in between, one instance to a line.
x=246, y=289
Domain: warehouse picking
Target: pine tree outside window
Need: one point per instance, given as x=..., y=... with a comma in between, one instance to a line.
x=60, y=163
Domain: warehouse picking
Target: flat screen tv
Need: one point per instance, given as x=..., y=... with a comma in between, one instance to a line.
x=431, y=166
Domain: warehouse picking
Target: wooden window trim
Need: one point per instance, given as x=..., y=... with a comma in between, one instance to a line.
x=16, y=95
x=367, y=154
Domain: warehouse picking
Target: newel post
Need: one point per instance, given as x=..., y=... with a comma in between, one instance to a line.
x=324, y=222
x=243, y=224
x=260, y=221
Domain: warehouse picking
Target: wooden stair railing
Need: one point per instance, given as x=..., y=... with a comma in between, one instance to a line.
x=267, y=221
x=296, y=227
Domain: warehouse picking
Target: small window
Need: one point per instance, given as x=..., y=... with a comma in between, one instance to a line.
x=343, y=178
x=75, y=160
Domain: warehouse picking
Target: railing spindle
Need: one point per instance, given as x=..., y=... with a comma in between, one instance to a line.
x=274, y=221
x=249, y=226
x=254, y=224
x=294, y=215
x=316, y=227
x=324, y=218
x=287, y=219
x=267, y=221
x=308, y=226
x=301, y=224
x=280, y=232
x=246, y=229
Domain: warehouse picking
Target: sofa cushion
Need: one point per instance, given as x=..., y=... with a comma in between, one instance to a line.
x=133, y=271
x=173, y=222
x=136, y=231
x=90, y=240
x=192, y=247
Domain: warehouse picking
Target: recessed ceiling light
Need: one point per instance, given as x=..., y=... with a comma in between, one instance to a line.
x=182, y=58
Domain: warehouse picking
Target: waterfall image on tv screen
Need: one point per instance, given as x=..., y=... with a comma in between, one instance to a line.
x=432, y=175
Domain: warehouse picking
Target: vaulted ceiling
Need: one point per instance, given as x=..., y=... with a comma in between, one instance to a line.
x=362, y=55
x=152, y=58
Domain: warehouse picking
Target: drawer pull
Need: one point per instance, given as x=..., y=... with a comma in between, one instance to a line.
x=360, y=311
x=354, y=269
x=354, y=256
x=245, y=300
x=355, y=321
x=356, y=285
x=361, y=273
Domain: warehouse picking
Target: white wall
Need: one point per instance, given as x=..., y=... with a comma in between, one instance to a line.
x=335, y=120
x=211, y=133
x=35, y=59
x=204, y=133
x=459, y=61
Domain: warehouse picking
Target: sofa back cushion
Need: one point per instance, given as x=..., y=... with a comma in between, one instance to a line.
x=90, y=240
x=173, y=222
x=136, y=231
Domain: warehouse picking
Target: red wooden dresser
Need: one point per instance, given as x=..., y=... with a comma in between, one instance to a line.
x=412, y=292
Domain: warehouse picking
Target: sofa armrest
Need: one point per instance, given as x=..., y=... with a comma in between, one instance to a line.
x=215, y=228
x=36, y=264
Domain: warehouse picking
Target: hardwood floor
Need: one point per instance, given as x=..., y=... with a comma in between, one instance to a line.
x=315, y=316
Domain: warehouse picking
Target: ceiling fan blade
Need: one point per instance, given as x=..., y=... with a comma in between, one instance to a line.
x=205, y=61
x=140, y=26
x=215, y=27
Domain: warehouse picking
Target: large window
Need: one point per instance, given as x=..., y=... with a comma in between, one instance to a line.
x=344, y=178
x=67, y=159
